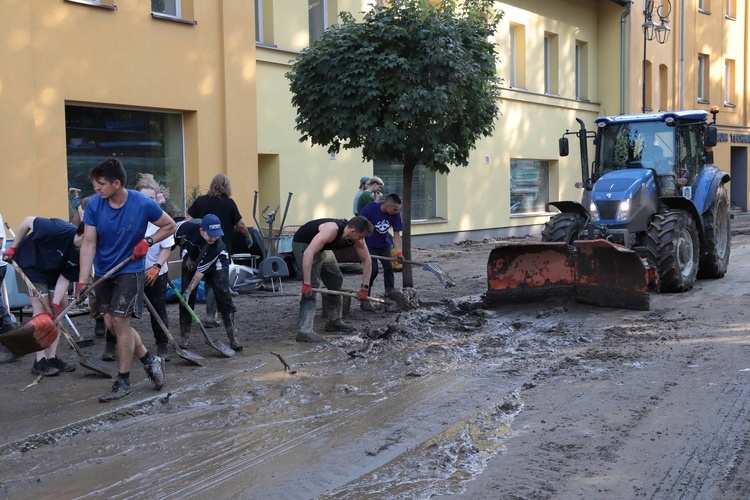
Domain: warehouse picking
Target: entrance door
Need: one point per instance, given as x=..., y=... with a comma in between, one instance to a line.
x=738, y=189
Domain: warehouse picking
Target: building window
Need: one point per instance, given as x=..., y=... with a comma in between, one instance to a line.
x=423, y=188
x=145, y=142
x=317, y=16
x=551, y=64
x=731, y=10
x=663, y=88
x=730, y=91
x=517, y=56
x=529, y=186
x=169, y=8
x=704, y=6
x=582, y=72
x=259, y=21
x=702, y=78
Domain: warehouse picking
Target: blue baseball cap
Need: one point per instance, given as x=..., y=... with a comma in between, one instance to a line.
x=363, y=179
x=212, y=225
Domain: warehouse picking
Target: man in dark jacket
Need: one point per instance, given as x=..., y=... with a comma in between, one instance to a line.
x=205, y=257
x=312, y=246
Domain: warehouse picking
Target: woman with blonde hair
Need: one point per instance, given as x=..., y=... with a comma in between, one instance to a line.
x=218, y=201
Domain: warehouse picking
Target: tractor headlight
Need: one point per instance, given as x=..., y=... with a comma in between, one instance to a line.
x=623, y=212
x=594, y=212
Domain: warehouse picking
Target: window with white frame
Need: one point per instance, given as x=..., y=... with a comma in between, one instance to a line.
x=170, y=8
x=517, y=63
x=731, y=12
x=259, y=21
x=730, y=91
x=529, y=186
x=551, y=64
x=582, y=70
x=317, y=16
x=702, y=78
x=423, y=189
x=145, y=141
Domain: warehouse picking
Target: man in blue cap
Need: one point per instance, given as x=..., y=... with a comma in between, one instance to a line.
x=205, y=257
x=362, y=186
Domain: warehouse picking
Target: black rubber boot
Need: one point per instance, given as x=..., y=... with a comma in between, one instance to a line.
x=335, y=323
x=231, y=327
x=185, y=322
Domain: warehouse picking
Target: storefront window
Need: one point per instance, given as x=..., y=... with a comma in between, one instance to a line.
x=145, y=142
x=529, y=186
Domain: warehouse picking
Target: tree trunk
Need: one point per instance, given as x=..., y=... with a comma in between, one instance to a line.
x=408, y=173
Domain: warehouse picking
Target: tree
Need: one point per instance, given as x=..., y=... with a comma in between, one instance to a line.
x=414, y=82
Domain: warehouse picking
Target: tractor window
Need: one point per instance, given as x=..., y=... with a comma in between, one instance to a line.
x=691, y=153
x=637, y=144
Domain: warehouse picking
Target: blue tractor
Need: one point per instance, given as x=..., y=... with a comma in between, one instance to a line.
x=654, y=215
x=653, y=189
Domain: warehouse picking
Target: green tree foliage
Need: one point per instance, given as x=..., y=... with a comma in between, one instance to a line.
x=414, y=82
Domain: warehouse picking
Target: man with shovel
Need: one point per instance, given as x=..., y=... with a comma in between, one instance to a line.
x=204, y=257
x=116, y=219
x=46, y=250
x=312, y=246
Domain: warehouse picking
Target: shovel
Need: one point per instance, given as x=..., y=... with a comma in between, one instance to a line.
x=435, y=269
x=93, y=364
x=219, y=346
x=347, y=294
x=183, y=353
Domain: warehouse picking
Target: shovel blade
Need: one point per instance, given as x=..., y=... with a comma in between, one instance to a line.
x=99, y=366
x=189, y=356
x=221, y=347
x=38, y=334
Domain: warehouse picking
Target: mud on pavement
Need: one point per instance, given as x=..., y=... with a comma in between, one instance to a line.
x=452, y=398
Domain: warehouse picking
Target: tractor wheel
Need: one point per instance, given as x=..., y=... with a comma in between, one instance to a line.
x=564, y=227
x=673, y=247
x=715, y=257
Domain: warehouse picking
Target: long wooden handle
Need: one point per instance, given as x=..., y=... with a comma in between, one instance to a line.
x=394, y=260
x=347, y=294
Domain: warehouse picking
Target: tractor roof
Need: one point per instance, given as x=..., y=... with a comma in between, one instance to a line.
x=692, y=115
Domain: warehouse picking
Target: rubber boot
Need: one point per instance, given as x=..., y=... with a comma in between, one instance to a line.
x=335, y=323
x=185, y=322
x=306, y=322
x=212, y=318
x=110, y=351
x=231, y=327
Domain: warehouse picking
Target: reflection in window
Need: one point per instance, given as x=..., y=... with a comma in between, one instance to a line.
x=145, y=141
x=529, y=186
x=423, y=189
x=702, y=78
x=166, y=7
x=317, y=13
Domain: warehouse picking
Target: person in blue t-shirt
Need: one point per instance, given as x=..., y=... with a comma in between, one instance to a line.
x=384, y=216
x=46, y=250
x=116, y=219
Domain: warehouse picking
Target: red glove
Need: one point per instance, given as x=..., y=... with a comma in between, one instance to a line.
x=306, y=290
x=55, y=309
x=9, y=254
x=362, y=294
x=400, y=257
x=140, y=250
x=151, y=275
x=81, y=289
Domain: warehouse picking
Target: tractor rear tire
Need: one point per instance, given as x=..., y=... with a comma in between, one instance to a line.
x=564, y=227
x=718, y=237
x=674, y=248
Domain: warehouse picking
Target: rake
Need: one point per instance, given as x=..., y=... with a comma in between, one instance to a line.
x=434, y=268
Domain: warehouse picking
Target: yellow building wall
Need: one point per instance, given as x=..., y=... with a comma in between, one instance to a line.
x=54, y=53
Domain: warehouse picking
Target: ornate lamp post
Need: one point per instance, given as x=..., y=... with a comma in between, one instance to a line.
x=652, y=30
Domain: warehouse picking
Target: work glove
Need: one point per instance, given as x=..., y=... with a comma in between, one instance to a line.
x=362, y=294
x=55, y=308
x=306, y=290
x=400, y=258
x=9, y=254
x=151, y=274
x=81, y=290
x=140, y=250
x=249, y=241
x=76, y=202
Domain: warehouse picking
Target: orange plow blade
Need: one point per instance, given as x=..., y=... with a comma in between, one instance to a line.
x=593, y=272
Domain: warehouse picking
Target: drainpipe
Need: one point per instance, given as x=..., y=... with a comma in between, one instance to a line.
x=682, y=55
x=622, y=58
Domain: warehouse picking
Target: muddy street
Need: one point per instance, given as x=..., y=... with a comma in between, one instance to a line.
x=554, y=400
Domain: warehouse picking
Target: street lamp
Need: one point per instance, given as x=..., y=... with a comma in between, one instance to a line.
x=652, y=30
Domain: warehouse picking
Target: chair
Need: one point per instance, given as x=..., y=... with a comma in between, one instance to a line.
x=16, y=301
